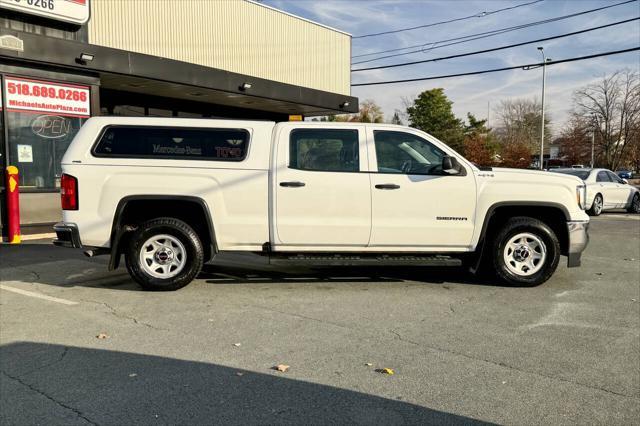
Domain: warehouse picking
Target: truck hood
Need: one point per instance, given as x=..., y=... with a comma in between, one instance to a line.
x=533, y=176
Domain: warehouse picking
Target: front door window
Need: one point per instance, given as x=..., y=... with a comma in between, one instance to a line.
x=404, y=153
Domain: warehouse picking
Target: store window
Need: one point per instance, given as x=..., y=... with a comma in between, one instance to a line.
x=42, y=120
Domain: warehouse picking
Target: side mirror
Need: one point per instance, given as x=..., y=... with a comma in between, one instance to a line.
x=626, y=182
x=450, y=165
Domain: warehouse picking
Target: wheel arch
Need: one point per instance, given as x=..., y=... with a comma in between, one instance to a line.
x=134, y=209
x=554, y=215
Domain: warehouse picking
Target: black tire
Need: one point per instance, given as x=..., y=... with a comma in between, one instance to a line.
x=595, y=210
x=528, y=226
x=635, y=204
x=193, y=254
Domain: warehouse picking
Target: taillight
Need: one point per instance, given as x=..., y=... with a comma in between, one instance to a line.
x=69, y=192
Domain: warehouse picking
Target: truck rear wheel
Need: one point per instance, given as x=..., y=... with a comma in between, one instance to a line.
x=164, y=254
x=525, y=252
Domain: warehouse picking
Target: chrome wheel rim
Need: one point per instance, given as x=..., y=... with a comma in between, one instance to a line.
x=163, y=256
x=598, y=204
x=525, y=254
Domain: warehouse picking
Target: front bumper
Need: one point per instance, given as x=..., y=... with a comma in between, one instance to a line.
x=578, y=240
x=67, y=235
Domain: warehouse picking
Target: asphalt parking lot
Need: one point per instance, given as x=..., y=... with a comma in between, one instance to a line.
x=462, y=351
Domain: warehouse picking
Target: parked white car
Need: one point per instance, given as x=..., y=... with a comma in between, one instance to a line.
x=172, y=194
x=606, y=190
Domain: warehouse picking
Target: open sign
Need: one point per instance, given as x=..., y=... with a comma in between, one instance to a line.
x=51, y=126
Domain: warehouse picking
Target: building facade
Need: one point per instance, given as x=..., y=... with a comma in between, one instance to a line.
x=63, y=61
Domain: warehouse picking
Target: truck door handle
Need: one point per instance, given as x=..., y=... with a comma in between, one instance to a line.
x=292, y=184
x=387, y=186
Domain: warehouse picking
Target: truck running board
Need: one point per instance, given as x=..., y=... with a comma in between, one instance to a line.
x=323, y=259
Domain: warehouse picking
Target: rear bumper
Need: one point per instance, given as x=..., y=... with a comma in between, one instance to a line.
x=578, y=240
x=67, y=235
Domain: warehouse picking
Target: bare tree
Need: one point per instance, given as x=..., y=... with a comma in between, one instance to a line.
x=614, y=104
x=520, y=123
x=575, y=140
x=369, y=112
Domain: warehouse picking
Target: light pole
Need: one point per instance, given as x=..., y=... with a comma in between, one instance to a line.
x=544, y=77
x=593, y=137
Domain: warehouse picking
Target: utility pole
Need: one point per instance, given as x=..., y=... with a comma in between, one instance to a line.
x=544, y=77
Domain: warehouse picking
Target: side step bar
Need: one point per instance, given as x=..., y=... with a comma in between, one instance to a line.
x=358, y=259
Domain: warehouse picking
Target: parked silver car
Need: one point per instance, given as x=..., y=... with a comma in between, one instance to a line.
x=606, y=190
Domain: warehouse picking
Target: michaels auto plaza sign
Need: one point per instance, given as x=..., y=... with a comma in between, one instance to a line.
x=71, y=11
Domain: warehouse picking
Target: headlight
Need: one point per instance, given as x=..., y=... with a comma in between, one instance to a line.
x=581, y=196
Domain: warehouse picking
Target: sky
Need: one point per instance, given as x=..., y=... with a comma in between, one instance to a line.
x=474, y=93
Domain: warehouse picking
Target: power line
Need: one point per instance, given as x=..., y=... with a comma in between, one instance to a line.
x=477, y=15
x=476, y=36
x=561, y=61
x=477, y=52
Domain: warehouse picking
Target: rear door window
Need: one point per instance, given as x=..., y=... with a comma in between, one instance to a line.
x=326, y=150
x=174, y=143
x=602, y=177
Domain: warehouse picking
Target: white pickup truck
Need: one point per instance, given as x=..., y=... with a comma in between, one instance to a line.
x=172, y=194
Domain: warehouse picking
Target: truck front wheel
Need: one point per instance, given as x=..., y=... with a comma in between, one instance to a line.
x=525, y=252
x=164, y=254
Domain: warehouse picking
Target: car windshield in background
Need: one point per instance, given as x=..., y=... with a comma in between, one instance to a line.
x=582, y=174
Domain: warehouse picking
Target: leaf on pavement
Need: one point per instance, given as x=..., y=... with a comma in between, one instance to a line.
x=283, y=368
x=388, y=371
x=102, y=336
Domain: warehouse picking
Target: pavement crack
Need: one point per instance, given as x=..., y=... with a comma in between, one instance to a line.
x=50, y=398
x=403, y=339
x=35, y=275
x=398, y=336
x=291, y=314
x=511, y=367
x=60, y=358
x=117, y=314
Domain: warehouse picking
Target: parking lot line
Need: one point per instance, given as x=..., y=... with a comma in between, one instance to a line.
x=37, y=295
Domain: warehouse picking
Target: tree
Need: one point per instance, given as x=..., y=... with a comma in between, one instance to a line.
x=479, y=142
x=614, y=104
x=369, y=112
x=478, y=151
x=396, y=118
x=575, y=141
x=431, y=112
x=517, y=155
x=520, y=123
x=475, y=126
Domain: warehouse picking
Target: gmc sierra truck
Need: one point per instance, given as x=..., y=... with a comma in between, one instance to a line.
x=169, y=195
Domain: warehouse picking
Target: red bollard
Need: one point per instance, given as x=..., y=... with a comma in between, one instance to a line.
x=13, y=205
